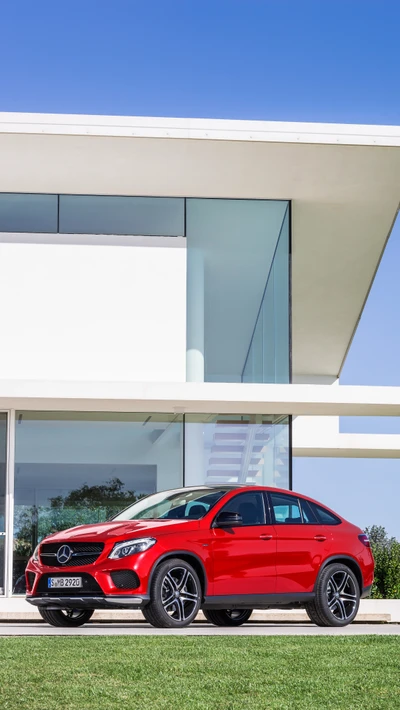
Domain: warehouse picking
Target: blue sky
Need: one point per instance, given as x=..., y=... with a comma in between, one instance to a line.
x=288, y=60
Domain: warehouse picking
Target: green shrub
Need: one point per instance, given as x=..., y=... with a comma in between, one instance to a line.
x=386, y=551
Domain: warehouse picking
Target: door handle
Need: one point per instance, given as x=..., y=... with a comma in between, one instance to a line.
x=266, y=537
x=320, y=538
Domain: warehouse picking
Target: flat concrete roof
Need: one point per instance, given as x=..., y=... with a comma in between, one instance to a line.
x=199, y=397
x=343, y=180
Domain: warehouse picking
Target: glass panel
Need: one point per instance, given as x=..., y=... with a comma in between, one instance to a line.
x=236, y=449
x=28, y=213
x=144, y=216
x=78, y=468
x=268, y=356
x=230, y=248
x=3, y=468
x=286, y=509
x=250, y=506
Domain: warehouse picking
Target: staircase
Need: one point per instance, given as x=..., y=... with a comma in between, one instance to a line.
x=237, y=454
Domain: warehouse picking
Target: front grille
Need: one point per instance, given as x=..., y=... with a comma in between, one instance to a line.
x=31, y=580
x=83, y=553
x=89, y=587
x=125, y=579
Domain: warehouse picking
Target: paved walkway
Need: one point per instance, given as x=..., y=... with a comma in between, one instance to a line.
x=199, y=629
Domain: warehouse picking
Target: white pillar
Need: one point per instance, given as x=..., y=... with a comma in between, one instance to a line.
x=195, y=316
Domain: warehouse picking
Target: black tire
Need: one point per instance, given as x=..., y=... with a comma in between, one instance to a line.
x=337, y=597
x=227, y=617
x=69, y=618
x=175, y=595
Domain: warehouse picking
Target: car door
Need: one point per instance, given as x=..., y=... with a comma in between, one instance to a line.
x=302, y=543
x=244, y=557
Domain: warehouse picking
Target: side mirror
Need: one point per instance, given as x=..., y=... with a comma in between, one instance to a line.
x=228, y=520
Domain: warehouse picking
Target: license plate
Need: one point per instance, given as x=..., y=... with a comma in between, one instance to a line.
x=64, y=582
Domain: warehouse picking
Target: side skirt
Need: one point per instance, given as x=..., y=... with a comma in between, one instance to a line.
x=257, y=601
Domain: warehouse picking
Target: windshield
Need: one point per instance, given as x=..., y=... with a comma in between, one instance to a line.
x=174, y=505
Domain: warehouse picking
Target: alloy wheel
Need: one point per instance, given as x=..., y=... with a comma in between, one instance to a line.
x=180, y=594
x=341, y=595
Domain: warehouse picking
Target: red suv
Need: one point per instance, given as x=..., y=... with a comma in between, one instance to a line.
x=223, y=549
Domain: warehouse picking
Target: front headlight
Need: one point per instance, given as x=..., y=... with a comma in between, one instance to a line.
x=35, y=555
x=131, y=547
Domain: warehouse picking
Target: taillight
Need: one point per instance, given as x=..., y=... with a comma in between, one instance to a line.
x=365, y=540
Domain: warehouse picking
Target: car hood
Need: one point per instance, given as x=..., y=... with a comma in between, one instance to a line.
x=122, y=529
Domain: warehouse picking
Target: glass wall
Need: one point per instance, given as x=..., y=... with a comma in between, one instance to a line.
x=235, y=250
x=144, y=216
x=268, y=356
x=28, y=213
x=78, y=468
x=235, y=448
x=92, y=214
x=3, y=468
x=74, y=468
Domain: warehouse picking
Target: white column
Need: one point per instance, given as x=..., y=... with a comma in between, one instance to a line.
x=195, y=316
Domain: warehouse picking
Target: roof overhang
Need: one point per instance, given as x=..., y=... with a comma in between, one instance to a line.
x=344, y=183
x=199, y=398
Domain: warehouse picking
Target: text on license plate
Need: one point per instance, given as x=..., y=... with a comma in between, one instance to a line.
x=64, y=582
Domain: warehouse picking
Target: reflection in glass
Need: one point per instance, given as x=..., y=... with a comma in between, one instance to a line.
x=28, y=213
x=268, y=355
x=3, y=463
x=231, y=246
x=107, y=214
x=79, y=468
x=252, y=449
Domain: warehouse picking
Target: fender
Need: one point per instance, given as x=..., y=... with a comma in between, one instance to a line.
x=176, y=553
x=355, y=567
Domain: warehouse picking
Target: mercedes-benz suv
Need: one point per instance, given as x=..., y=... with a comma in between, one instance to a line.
x=223, y=549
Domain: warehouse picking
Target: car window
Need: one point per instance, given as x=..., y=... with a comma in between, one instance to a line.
x=325, y=517
x=286, y=509
x=308, y=514
x=181, y=504
x=249, y=505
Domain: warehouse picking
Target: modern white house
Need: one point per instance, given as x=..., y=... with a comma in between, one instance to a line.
x=178, y=299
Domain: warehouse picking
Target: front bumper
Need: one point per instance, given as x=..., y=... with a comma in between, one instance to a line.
x=88, y=602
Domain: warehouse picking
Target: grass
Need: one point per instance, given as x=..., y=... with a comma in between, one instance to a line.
x=199, y=673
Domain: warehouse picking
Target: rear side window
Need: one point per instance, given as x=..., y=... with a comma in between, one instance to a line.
x=286, y=509
x=325, y=517
x=308, y=514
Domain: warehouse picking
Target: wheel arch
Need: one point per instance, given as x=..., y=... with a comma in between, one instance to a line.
x=349, y=562
x=187, y=556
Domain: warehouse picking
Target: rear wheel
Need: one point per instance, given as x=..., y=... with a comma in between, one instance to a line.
x=337, y=597
x=175, y=595
x=66, y=617
x=227, y=617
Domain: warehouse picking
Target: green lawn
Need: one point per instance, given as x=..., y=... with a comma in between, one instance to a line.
x=182, y=673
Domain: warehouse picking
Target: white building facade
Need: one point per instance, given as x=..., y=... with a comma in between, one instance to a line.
x=178, y=300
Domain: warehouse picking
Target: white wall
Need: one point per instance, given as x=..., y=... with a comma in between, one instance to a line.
x=86, y=311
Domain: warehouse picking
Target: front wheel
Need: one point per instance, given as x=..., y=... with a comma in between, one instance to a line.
x=227, y=617
x=337, y=597
x=175, y=595
x=66, y=617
